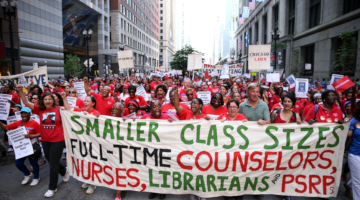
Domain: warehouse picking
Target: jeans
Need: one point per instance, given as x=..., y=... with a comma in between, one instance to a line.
x=33, y=161
x=53, y=153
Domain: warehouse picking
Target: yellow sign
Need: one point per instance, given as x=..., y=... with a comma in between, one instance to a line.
x=253, y=74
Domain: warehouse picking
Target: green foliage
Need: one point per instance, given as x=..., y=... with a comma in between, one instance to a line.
x=296, y=66
x=279, y=45
x=346, y=55
x=180, y=58
x=73, y=66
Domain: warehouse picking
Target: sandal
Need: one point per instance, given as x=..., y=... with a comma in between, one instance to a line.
x=42, y=163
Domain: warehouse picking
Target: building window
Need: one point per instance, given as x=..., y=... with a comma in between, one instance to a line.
x=110, y=36
x=161, y=12
x=250, y=36
x=276, y=16
x=161, y=18
x=256, y=32
x=315, y=8
x=161, y=50
x=161, y=24
x=265, y=29
x=161, y=31
x=161, y=37
x=121, y=39
x=291, y=17
x=351, y=5
x=309, y=54
x=161, y=5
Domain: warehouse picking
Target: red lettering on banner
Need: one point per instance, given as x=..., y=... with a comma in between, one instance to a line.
x=259, y=59
x=284, y=181
x=237, y=155
x=178, y=159
x=95, y=172
x=120, y=177
x=82, y=170
x=252, y=159
x=301, y=183
x=279, y=162
x=76, y=166
x=308, y=160
x=112, y=179
x=133, y=177
x=326, y=159
x=325, y=183
x=301, y=159
x=313, y=184
x=197, y=160
x=266, y=161
x=217, y=160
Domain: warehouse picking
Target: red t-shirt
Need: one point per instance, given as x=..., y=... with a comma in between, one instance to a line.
x=169, y=109
x=55, y=91
x=307, y=108
x=298, y=106
x=323, y=115
x=226, y=117
x=215, y=89
x=141, y=101
x=32, y=126
x=277, y=105
x=79, y=103
x=50, y=124
x=183, y=96
x=191, y=116
x=154, y=84
x=15, y=98
x=104, y=105
x=279, y=120
x=93, y=111
x=209, y=111
x=274, y=100
x=163, y=116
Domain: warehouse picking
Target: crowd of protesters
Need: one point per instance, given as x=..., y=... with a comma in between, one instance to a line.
x=234, y=99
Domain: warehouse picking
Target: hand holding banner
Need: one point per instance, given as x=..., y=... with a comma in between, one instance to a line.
x=125, y=59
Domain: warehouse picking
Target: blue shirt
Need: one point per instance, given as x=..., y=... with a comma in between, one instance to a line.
x=324, y=85
x=355, y=144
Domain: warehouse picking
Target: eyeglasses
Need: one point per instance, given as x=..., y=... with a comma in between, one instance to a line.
x=233, y=107
x=35, y=98
x=73, y=92
x=332, y=96
x=132, y=92
x=192, y=94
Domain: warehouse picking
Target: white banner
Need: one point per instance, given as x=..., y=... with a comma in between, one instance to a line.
x=80, y=88
x=212, y=69
x=291, y=80
x=204, y=96
x=301, y=88
x=125, y=59
x=39, y=76
x=259, y=57
x=205, y=158
x=194, y=61
x=22, y=146
x=142, y=92
x=71, y=101
x=4, y=106
x=274, y=77
x=236, y=70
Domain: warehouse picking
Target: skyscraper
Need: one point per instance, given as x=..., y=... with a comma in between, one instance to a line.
x=167, y=33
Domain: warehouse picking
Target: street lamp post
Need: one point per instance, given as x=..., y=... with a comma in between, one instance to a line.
x=275, y=35
x=9, y=13
x=87, y=37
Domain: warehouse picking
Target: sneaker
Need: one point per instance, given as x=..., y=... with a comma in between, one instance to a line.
x=66, y=177
x=90, y=189
x=27, y=178
x=84, y=185
x=10, y=149
x=50, y=193
x=34, y=182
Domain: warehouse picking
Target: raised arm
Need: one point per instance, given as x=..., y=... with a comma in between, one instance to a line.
x=23, y=97
x=66, y=103
x=178, y=108
x=3, y=126
x=86, y=85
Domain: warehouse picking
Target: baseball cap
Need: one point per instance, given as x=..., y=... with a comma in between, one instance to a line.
x=167, y=77
x=18, y=105
x=26, y=109
x=126, y=85
x=45, y=85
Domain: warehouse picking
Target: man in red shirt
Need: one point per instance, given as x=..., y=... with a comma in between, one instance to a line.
x=183, y=97
x=142, y=103
x=204, y=87
x=169, y=81
x=103, y=99
x=155, y=83
x=8, y=89
x=317, y=86
x=57, y=88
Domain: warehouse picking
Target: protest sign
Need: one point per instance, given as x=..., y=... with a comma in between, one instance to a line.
x=343, y=84
x=259, y=57
x=213, y=116
x=279, y=71
x=173, y=117
x=18, y=115
x=274, y=77
x=35, y=117
x=301, y=87
x=131, y=116
x=212, y=69
x=286, y=89
x=334, y=78
x=291, y=80
x=72, y=101
x=22, y=146
x=204, y=96
x=194, y=61
x=80, y=88
x=142, y=92
x=23, y=80
x=205, y=158
x=11, y=119
x=39, y=76
x=125, y=59
x=4, y=106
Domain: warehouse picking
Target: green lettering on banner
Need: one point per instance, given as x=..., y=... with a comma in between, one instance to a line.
x=152, y=128
x=249, y=182
x=288, y=131
x=231, y=145
x=235, y=183
x=222, y=178
x=276, y=141
x=91, y=127
x=109, y=130
x=210, y=182
x=212, y=135
x=187, y=181
x=336, y=136
x=200, y=183
x=165, y=174
x=198, y=133
x=301, y=143
x=242, y=127
x=73, y=118
x=321, y=137
x=182, y=134
x=118, y=137
x=129, y=133
x=263, y=180
x=139, y=131
x=177, y=179
x=151, y=179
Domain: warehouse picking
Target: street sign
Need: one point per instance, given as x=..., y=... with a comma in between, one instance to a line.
x=91, y=63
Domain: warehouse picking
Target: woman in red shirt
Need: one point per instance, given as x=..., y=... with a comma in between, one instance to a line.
x=52, y=136
x=190, y=94
x=233, y=114
x=89, y=106
x=33, y=130
x=224, y=93
x=79, y=103
x=214, y=89
x=216, y=106
x=133, y=107
x=196, y=107
x=161, y=91
x=286, y=115
x=327, y=112
x=315, y=100
x=179, y=110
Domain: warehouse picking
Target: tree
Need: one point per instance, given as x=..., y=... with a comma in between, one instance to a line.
x=73, y=66
x=180, y=58
x=296, y=66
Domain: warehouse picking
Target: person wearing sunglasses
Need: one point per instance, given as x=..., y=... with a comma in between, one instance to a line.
x=79, y=103
x=216, y=105
x=233, y=114
x=133, y=107
x=133, y=96
x=187, y=84
x=190, y=94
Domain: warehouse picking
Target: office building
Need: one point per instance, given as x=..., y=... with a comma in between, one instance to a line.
x=167, y=33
